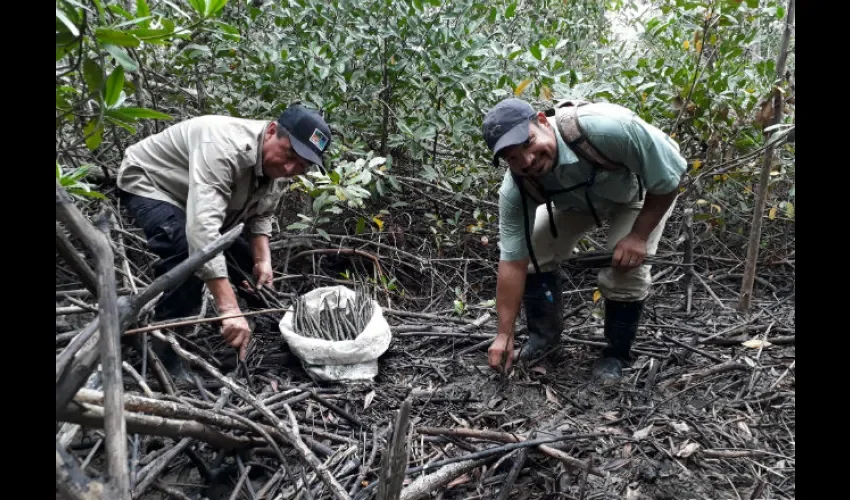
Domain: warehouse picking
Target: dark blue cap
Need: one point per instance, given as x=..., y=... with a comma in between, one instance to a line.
x=308, y=132
x=507, y=124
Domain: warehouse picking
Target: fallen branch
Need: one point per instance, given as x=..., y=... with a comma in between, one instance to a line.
x=289, y=435
x=110, y=339
x=152, y=425
x=508, y=484
x=72, y=482
x=149, y=474
x=395, y=461
x=72, y=258
x=173, y=324
x=424, y=485
x=77, y=366
x=499, y=450
x=504, y=437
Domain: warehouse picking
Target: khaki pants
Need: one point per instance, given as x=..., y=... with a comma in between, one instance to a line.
x=615, y=285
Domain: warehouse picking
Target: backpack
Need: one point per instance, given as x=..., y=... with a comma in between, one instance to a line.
x=574, y=136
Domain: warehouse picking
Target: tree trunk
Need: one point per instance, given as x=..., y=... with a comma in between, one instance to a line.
x=764, y=180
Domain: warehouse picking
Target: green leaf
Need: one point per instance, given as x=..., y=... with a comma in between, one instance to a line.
x=121, y=123
x=114, y=86
x=297, y=225
x=510, y=11
x=323, y=234
x=535, y=51
x=67, y=22
x=142, y=10
x=115, y=37
x=199, y=6
x=93, y=132
x=780, y=13
x=361, y=222
x=87, y=193
x=132, y=113
x=214, y=7
x=122, y=57
x=93, y=74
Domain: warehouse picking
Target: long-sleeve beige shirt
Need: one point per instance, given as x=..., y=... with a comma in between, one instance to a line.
x=211, y=167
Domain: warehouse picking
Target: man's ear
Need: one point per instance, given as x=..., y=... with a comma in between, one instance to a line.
x=542, y=120
x=271, y=130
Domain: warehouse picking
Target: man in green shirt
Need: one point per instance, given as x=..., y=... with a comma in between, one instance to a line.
x=194, y=181
x=633, y=187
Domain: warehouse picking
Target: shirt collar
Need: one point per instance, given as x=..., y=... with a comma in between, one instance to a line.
x=258, y=167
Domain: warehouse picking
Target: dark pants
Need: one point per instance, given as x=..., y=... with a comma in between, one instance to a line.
x=165, y=228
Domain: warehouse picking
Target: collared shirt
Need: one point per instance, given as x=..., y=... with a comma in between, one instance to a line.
x=211, y=167
x=623, y=137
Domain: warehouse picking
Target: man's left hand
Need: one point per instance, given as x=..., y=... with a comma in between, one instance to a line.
x=629, y=253
x=263, y=273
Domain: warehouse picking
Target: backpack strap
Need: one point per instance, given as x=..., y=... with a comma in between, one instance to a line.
x=577, y=140
x=575, y=137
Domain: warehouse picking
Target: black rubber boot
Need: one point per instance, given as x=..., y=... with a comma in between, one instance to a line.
x=621, y=325
x=174, y=364
x=543, y=311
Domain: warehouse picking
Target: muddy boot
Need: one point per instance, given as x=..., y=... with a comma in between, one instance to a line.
x=543, y=311
x=621, y=325
x=174, y=364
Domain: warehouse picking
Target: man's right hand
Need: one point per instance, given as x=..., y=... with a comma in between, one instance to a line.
x=237, y=333
x=500, y=355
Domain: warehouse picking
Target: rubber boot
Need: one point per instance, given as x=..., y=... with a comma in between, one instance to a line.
x=621, y=325
x=174, y=364
x=543, y=311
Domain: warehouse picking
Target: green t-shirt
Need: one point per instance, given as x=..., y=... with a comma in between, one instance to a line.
x=623, y=137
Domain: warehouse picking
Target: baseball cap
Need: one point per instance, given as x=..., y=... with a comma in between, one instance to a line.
x=507, y=125
x=308, y=132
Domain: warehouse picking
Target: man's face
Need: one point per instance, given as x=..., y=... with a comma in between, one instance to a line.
x=279, y=158
x=536, y=156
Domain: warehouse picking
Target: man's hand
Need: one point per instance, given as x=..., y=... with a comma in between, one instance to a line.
x=500, y=355
x=237, y=333
x=629, y=253
x=263, y=273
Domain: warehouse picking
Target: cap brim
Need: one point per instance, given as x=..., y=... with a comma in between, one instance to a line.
x=305, y=152
x=512, y=137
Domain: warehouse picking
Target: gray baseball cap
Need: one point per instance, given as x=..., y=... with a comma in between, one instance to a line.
x=507, y=125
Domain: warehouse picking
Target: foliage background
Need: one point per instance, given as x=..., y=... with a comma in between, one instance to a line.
x=405, y=84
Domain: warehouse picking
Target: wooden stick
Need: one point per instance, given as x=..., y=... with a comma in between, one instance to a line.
x=336, y=409
x=72, y=482
x=109, y=342
x=77, y=370
x=505, y=437
x=73, y=259
x=394, y=462
x=424, y=485
x=291, y=437
x=152, y=470
x=158, y=326
x=498, y=450
x=508, y=485
x=152, y=425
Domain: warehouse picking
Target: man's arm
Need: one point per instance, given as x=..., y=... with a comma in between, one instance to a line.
x=262, y=260
x=654, y=208
x=630, y=251
x=510, y=284
x=210, y=178
x=653, y=155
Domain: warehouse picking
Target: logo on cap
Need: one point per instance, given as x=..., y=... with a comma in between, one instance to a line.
x=319, y=139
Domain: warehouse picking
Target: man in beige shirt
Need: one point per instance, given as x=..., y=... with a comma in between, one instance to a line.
x=192, y=182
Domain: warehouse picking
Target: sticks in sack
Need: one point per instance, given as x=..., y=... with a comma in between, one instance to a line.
x=333, y=319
